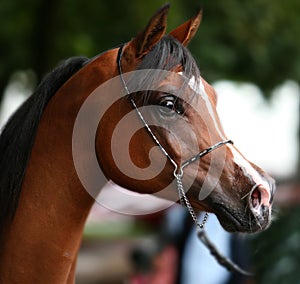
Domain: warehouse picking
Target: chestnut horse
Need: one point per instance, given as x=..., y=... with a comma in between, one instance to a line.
x=43, y=203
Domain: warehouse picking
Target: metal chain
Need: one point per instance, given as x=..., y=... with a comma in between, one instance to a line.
x=185, y=202
x=178, y=171
x=178, y=175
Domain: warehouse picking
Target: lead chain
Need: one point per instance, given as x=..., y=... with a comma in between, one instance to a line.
x=185, y=202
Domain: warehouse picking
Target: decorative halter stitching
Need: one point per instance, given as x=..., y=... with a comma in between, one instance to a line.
x=178, y=170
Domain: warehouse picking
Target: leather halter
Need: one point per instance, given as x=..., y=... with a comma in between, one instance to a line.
x=178, y=170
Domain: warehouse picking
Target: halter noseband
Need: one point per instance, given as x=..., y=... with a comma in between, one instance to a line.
x=178, y=170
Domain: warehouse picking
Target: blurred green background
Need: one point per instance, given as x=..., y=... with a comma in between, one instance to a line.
x=255, y=41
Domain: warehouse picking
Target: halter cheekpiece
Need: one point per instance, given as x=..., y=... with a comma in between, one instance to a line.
x=178, y=169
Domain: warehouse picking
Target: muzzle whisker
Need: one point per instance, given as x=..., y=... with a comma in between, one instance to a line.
x=250, y=222
x=246, y=210
x=245, y=195
x=257, y=222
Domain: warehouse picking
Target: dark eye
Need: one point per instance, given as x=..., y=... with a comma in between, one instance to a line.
x=168, y=106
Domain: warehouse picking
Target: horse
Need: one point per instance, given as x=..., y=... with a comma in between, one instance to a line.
x=43, y=200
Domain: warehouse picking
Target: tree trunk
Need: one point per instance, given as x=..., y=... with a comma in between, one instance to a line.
x=43, y=36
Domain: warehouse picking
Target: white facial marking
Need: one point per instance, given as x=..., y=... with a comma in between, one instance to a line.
x=248, y=169
x=198, y=86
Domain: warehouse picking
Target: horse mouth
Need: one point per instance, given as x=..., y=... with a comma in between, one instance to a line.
x=233, y=220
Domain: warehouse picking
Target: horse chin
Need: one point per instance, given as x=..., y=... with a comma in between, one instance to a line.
x=234, y=221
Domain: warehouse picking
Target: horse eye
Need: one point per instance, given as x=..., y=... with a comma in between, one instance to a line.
x=168, y=106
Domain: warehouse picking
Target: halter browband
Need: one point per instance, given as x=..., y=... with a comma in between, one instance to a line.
x=178, y=171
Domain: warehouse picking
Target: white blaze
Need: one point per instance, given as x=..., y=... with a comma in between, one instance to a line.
x=198, y=87
x=248, y=169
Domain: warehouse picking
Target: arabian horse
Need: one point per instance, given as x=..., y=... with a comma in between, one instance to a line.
x=43, y=202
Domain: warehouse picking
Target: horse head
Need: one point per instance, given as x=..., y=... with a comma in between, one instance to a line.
x=177, y=113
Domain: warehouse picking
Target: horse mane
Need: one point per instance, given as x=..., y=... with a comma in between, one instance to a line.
x=18, y=135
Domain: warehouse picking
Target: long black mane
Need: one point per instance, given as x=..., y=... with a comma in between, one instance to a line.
x=17, y=137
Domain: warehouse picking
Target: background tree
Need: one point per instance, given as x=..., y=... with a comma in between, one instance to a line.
x=254, y=40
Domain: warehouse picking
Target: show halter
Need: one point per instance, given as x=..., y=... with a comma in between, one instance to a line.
x=178, y=170
x=178, y=174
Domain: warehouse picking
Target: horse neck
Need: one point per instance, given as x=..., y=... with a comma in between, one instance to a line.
x=43, y=240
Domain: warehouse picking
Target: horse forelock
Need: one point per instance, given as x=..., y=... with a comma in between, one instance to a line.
x=170, y=55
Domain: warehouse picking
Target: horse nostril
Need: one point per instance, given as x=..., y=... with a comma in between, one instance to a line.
x=255, y=197
x=260, y=196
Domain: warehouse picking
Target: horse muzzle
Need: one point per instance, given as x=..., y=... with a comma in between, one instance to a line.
x=254, y=213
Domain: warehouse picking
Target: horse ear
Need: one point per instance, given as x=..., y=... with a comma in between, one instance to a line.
x=186, y=31
x=153, y=32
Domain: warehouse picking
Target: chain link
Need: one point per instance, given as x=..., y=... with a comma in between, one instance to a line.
x=177, y=174
x=185, y=202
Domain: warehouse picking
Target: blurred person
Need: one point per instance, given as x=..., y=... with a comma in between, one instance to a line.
x=183, y=259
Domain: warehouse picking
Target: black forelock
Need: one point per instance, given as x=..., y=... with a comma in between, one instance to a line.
x=169, y=55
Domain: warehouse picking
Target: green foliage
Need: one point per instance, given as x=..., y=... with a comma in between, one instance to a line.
x=249, y=40
x=277, y=250
x=242, y=40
